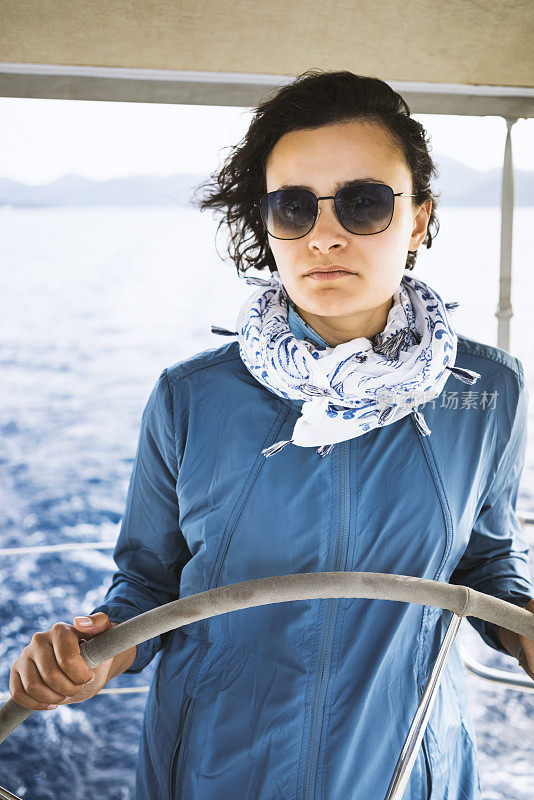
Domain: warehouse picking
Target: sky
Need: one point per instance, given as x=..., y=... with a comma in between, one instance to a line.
x=41, y=139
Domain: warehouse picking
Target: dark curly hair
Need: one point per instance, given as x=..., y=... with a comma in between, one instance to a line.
x=313, y=99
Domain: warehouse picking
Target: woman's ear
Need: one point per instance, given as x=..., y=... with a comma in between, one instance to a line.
x=420, y=225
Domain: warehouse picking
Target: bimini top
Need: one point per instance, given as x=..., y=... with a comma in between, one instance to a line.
x=444, y=58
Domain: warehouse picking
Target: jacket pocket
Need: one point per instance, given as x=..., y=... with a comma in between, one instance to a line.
x=177, y=760
x=428, y=769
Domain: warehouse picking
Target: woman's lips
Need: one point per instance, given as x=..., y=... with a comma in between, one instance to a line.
x=330, y=276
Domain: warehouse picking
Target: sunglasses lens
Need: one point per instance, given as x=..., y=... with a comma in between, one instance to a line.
x=288, y=213
x=365, y=209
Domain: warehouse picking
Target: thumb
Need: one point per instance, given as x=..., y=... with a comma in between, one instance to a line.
x=93, y=623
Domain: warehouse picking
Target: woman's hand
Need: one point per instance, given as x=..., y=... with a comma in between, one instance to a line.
x=51, y=671
x=528, y=647
x=511, y=642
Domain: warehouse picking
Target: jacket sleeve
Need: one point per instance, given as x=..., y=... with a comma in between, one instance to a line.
x=496, y=560
x=150, y=551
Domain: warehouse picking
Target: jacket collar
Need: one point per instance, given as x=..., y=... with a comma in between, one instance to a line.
x=301, y=330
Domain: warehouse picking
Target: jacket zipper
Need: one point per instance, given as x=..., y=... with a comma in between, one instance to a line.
x=321, y=684
x=177, y=756
x=449, y=534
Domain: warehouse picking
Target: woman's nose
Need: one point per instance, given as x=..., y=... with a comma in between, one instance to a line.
x=327, y=227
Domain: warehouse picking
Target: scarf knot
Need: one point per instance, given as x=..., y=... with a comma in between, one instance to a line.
x=344, y=387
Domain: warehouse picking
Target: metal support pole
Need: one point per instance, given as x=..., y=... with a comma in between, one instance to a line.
x=413, y=740
x=504, y=309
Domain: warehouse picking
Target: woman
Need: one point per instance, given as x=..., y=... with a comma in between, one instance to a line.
x=302, y=446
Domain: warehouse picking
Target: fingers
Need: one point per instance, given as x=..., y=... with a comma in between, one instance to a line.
x=67, y=654
x=54, y=677
x=92, y=623
x=32, y=693
x=50, y=669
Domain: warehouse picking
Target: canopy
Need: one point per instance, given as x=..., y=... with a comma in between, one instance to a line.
x=450, y=58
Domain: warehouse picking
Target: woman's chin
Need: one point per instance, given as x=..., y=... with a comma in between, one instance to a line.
x=331, y=306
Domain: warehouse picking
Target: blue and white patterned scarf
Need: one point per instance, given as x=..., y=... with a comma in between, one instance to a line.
x=358, y=385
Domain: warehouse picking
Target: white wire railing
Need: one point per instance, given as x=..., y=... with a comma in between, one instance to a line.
x=503, y=678
x=56, y=548
x=525, y=518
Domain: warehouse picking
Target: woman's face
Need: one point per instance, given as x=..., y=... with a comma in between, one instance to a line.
x=357, y=304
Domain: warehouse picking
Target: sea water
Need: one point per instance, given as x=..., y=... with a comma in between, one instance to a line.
x=94, y=303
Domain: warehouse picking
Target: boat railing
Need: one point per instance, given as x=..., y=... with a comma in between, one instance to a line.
x=503, y=678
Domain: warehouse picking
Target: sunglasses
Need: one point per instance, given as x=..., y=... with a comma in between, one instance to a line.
x=363, y=209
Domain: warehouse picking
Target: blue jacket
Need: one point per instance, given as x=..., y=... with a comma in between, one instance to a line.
x=312, y=699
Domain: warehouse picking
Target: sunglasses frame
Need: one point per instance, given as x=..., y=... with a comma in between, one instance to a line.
x=333, y=197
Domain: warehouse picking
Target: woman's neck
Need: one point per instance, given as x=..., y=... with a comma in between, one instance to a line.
x=368, y=328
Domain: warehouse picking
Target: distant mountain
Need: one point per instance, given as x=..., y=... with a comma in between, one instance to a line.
x=463, y=186
x=459, y=186
x=75, y=190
